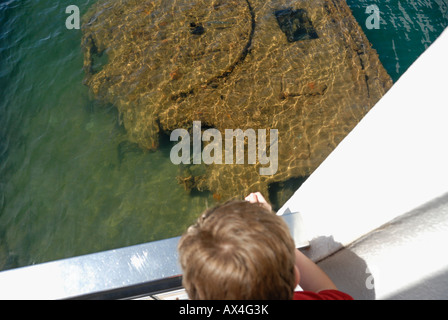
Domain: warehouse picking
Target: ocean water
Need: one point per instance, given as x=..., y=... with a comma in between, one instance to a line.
x=406, y=30
x=70, y=183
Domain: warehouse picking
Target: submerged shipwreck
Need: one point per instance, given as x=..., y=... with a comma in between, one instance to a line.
x=303, y=68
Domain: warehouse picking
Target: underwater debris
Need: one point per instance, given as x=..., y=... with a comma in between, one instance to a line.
x=228, y=64
x=296, y=24
x=197, y=29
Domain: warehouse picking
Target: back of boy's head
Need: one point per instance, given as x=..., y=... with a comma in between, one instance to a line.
x=238, y=251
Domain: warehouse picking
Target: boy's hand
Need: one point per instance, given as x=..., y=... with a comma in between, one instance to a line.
x=257, y=197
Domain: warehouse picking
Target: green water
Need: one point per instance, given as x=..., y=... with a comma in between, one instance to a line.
x=406, y=30
x=70, y=184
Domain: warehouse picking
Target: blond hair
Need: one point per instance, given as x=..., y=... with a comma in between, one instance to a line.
x=238, y=251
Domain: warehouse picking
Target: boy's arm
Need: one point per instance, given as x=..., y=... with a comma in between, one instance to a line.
x=312, y=278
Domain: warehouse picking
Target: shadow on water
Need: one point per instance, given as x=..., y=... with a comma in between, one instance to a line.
x=280, y=192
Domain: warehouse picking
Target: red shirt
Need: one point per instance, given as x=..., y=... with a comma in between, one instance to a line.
x=322, y=295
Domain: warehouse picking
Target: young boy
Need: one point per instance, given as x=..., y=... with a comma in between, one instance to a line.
x=241, y=250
